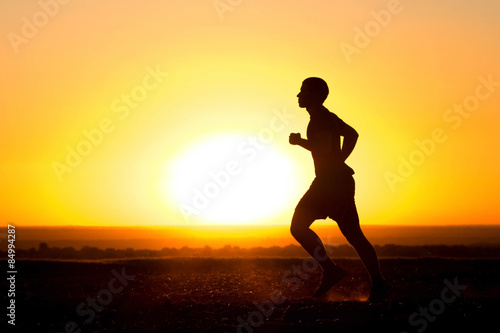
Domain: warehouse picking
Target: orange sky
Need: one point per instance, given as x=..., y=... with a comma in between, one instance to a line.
x=178, y=112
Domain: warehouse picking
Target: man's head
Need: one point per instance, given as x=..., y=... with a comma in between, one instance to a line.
x=313, y=92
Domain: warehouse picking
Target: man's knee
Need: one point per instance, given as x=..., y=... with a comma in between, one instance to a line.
x=354, y=236
x=301, y=221
x=296, y=230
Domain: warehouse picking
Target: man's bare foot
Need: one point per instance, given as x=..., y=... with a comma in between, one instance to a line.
x=330, y=278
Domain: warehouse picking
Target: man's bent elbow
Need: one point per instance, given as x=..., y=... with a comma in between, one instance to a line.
x=350, y=133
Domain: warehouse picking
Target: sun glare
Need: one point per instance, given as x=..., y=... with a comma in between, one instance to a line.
x=230, y=179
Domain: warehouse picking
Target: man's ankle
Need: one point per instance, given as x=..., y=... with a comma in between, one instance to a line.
x=378, y=281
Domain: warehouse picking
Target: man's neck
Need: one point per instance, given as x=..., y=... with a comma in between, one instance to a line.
x=316, y=109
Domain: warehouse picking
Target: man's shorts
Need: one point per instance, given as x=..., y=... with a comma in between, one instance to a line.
x=329, y=196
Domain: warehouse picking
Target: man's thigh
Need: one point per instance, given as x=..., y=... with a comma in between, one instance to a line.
x=303, y=217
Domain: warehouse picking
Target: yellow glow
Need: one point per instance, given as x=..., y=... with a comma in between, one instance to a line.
x=230, y=179
x=228, y=79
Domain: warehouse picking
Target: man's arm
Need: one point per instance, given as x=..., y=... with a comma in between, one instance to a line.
x=296, y=139
x=350, y=138
x=323, y=141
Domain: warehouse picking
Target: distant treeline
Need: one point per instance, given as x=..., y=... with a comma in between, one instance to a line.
x=290, y=251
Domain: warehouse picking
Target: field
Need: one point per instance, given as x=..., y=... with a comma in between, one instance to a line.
x=252, y=295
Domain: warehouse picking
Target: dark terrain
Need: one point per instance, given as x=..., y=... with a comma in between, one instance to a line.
x=245, y=295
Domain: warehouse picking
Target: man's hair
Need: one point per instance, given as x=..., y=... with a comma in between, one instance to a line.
x=318, y=86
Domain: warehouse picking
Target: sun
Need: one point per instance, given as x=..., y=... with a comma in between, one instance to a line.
x=230, y=179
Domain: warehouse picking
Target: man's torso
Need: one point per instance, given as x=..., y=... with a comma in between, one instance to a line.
x=329, y=163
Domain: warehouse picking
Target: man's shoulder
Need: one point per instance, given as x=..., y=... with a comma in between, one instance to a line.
x=327, y=119
x=333, y=115
x=336, y=120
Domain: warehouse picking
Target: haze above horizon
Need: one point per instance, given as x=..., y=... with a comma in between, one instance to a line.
x=124, y=113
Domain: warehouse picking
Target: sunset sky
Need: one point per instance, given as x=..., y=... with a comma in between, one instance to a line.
x=163, y=112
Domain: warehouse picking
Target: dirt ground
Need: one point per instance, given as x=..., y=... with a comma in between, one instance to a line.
x=252, y=295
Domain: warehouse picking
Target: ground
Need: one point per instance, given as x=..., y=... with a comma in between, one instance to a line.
x=252, y=295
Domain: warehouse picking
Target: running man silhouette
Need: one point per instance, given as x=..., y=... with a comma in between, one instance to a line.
x=331, y=193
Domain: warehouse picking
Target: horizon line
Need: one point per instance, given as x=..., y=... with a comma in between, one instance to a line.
x=251, y=225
